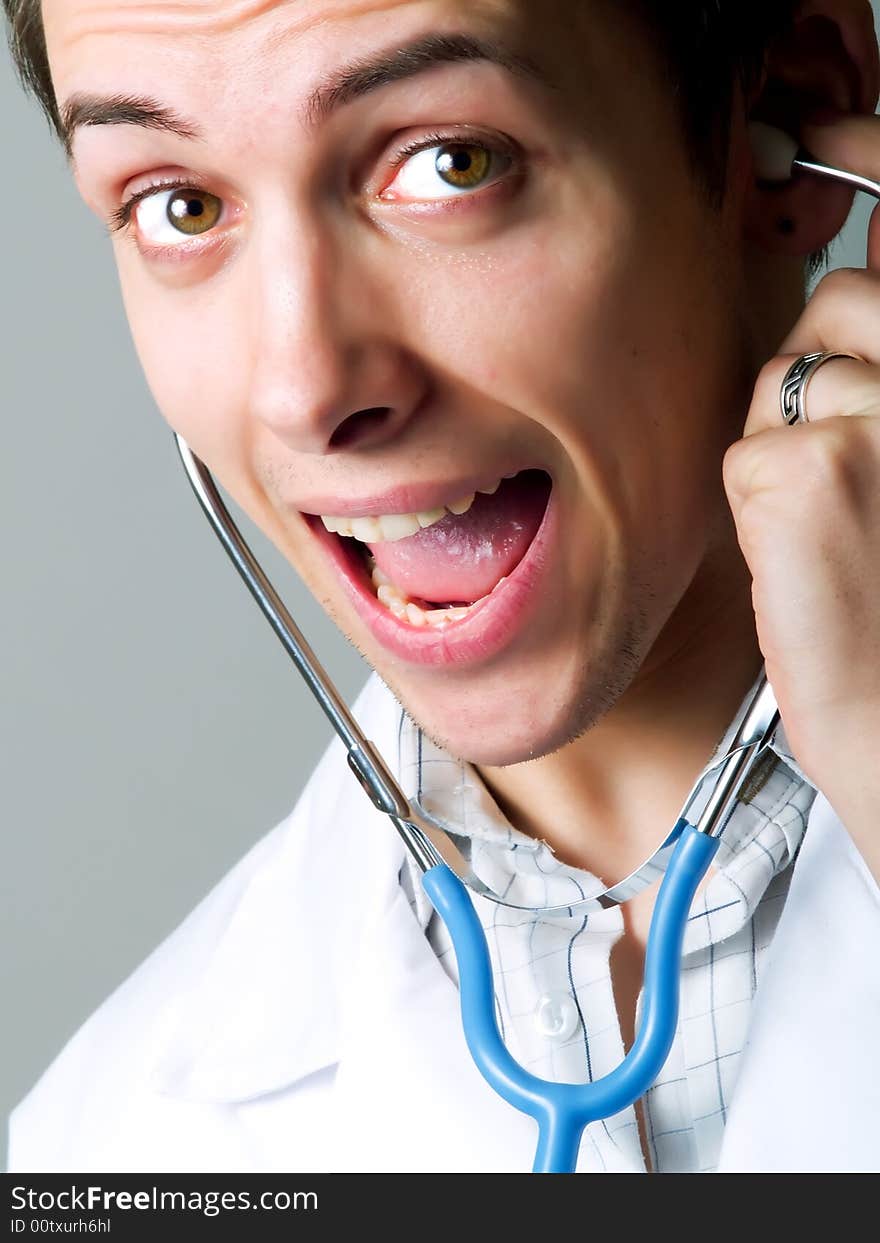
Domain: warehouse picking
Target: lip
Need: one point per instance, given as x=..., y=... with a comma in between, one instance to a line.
x=405, y=499
x=481, y=635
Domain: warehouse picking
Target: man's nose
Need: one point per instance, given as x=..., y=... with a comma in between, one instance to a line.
x=328, y=371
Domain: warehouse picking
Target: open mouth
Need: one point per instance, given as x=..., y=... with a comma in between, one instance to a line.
x=434, y=569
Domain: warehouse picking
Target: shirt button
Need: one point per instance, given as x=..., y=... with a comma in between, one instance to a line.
x=556, y=1017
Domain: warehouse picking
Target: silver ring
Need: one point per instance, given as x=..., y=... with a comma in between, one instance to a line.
x=793, y=397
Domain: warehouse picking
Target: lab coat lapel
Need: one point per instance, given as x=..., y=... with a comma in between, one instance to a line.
x=408, y=1096
x=324, y=1020
x=808, y=1096
x=402, y=1092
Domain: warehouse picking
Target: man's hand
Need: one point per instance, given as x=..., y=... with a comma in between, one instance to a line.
x=806, y=500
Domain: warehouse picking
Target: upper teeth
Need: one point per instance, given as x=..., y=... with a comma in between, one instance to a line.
x=386, y=528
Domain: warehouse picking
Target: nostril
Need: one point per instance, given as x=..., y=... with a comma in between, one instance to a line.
x=360, y=426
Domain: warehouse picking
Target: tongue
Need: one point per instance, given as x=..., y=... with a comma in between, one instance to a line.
x=460, y=559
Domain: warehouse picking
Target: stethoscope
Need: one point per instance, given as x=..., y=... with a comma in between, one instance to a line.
x=561, y=1110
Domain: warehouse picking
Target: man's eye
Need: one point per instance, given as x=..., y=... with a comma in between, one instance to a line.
x=447, y=170
x=171, y=216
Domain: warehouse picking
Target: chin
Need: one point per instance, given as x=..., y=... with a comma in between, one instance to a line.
x=521, y=715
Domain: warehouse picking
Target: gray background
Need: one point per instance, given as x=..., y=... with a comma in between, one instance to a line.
x=151, y=728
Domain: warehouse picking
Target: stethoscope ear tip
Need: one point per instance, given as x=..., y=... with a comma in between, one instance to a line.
x=774, y=152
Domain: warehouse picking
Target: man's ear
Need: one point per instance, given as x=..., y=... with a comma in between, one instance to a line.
x=828, y=62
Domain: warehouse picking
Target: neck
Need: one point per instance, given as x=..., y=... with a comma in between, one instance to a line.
x=606, y=800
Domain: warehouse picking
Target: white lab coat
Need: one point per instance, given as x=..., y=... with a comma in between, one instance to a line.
x=299, y=1021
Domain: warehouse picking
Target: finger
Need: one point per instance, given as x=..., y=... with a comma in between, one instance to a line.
x=843, y=314
x=851, y=143
x=841, y=386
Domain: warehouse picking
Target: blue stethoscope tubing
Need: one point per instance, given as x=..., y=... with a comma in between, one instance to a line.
x=563, y=1111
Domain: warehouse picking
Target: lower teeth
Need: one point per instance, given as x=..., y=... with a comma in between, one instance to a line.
x=405, y=609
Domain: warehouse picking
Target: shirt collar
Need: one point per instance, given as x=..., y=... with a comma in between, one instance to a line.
x=761, y=839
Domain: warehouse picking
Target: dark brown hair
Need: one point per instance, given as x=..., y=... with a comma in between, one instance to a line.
x=27, y=43
x=709, y=47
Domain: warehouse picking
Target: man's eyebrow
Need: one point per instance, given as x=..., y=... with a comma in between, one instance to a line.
x=85, y=109
x=343, y=87
x=426, y=52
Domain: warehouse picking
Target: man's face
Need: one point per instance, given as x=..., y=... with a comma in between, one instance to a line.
x=380, y=299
